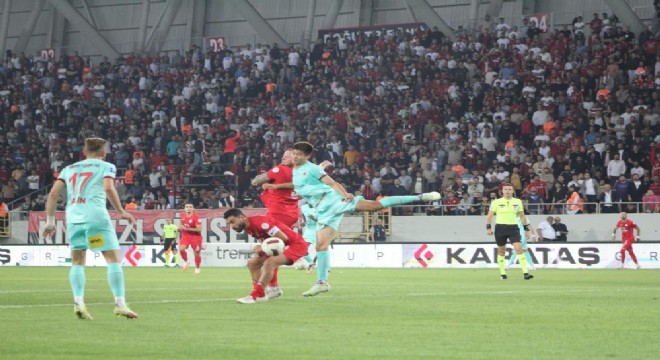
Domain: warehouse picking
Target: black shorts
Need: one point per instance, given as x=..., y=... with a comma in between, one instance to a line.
x=504, y=232
x=169, y=242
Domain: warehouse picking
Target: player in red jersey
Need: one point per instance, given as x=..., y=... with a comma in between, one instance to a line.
x=627, y=238
x=262, y=266
x=191, y=228
x=280, y=200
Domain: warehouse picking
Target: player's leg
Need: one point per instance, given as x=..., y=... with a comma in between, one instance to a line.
x=500, y=240
x=254, y=266
x=622, y=252
x=183, y=251
x=175, y=251
x=115, y=273
x=515, y=239
x=79, y=246
x=525, y=249
x=372, y=205
x=309, y=234
x=197, y=251
x=167, y=248
x=324, y=237
x=632, y=255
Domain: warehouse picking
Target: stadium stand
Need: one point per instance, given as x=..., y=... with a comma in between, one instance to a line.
x=555, y=114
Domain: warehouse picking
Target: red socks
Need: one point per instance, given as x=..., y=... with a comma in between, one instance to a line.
x=184, y=256
x=258, y=291
x=198, y=261
x=273, y=281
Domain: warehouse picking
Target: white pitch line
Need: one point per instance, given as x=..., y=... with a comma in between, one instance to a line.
x=336, y=296
x=103, y=290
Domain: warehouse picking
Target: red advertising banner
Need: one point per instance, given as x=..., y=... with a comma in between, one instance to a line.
x=148, y=227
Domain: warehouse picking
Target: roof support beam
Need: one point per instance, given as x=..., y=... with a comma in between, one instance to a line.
x=86, y=29
x=331, y=17
x=494, y=8
x=626, y=15
x=260, y=25
x=28, y=27
x=423, y=12
x=4, y=27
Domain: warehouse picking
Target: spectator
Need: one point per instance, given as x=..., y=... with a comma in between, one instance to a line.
x=545, y=231
x=609, y=201
x=651, y=202
x=561, y=231
x=377, y=231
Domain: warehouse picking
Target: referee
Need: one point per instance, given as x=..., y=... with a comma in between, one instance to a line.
x=169, y=245
x=508, y=209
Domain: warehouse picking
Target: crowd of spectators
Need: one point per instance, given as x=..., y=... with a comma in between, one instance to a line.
x=574, y=112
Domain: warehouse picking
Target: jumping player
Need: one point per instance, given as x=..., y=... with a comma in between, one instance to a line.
x=262, y=266
x=191, y=228
x=627, y=238
x=330, y=202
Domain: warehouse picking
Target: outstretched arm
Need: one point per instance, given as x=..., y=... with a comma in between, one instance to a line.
x=260, y=179
x=336, y=187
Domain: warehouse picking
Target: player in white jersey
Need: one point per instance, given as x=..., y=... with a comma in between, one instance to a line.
x=88, y=183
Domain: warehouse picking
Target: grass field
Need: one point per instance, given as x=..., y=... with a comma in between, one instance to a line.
x=369, y=314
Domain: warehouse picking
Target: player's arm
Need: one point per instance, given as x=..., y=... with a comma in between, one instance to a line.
x=113, y=198
x=639, y=231
x=51, y=203
x=268, y=186
x=489, y=218
x=523, y=218
x=260, y=179
x=282, y=236
x=336, y=187
x=614, y=232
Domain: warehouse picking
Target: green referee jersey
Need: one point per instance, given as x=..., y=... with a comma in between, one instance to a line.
x=169, y=231
x=506, y=210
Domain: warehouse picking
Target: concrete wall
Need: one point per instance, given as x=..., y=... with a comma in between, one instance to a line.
x=456, y=229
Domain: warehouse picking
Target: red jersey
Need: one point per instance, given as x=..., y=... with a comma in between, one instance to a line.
x=627, y=230
x=190, y=222
x=280, y=201
x=263, y=227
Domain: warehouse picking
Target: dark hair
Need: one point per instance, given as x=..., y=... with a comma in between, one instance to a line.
x=507, y=184
x=304, y=146
x=233, y=212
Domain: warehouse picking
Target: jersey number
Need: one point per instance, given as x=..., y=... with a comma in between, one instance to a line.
x=74, y=178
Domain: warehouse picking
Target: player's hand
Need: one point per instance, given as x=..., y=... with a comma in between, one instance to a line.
x=637, y=238
x=325, y=164
x=529, y=234
x=489, y=232
x=349, y=197
x=257, y=250
x=268, y=186
x=49, y=231
x=128, y=216
x=613, y=237
x=532, y=238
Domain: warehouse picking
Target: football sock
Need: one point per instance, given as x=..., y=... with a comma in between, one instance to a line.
x=184, y=256
x=500, y=262
x=398, y=200
x=633, y=256
x=273, y=281
x=523, y=262
x=322, y=265
x=308, y=258
x=116, y=279
x=528, y=256
x=198, y=261
x=512, y=259
x=623, y=257
x=176, y=258
x=77, y=281
x=167, y=257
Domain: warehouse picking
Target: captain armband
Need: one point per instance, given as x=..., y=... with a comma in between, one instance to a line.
x=488, y=227
x=526, y=227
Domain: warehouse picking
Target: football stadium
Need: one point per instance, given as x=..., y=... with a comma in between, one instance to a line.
x=329, y=179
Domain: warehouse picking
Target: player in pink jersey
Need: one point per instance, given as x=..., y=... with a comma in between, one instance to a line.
x=627, y=238
x=261, y=266
x=191, y=228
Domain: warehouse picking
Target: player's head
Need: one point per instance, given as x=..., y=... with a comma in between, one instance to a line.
x=236, y=219
x=94, y=148
x=287, y=158
x=169, y=221
x=301, y=152
x=188, y=208
x=507, y=190
x=624, y=216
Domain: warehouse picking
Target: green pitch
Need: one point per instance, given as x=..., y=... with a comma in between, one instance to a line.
x=369, y=314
